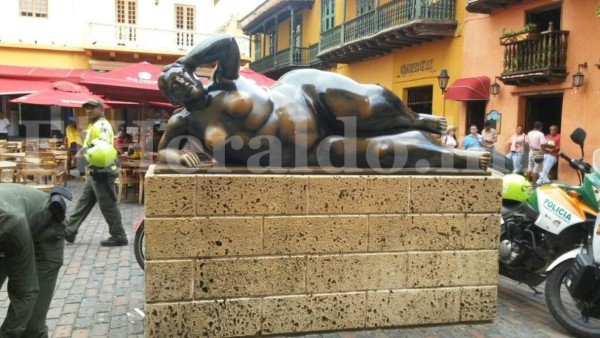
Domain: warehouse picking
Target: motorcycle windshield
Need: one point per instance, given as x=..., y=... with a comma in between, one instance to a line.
x=596, y=161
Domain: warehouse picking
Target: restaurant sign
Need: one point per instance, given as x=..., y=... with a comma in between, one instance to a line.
x=416, y=67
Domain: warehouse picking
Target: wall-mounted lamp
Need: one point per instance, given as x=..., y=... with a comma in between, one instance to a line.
x=156, y=2
x=578, y=77
x=597, y=65
x=443, y=79
x=495, y=87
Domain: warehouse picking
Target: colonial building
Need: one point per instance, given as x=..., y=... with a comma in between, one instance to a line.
x=401, y=44
x=545, y=61
x=72, y=36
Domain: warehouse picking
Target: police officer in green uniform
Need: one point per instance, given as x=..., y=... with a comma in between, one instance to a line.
x=31, y=254
x=101, y=157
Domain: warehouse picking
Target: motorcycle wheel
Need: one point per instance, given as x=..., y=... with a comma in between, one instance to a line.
x=138, y=246
x=563, y=306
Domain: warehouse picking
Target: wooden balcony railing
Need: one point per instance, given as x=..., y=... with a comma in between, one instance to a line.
x=392, y=22
x=282, y=59
x=536, y=60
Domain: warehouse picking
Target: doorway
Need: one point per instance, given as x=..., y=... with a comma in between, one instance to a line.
x=548, y=110
x=475, y=114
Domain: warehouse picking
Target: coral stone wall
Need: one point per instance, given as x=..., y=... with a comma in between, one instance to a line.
x=250, y=255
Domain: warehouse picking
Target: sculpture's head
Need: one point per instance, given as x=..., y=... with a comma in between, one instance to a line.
x=180, y=86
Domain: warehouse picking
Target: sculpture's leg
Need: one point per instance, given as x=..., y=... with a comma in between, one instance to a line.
x=407, y=150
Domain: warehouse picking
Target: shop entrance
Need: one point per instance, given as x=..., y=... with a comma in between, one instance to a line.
x=548, y=110
x=475, y=115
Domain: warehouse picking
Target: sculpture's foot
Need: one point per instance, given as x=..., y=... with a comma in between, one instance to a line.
x=432, y=123
x=484, y=159
x=472, y=157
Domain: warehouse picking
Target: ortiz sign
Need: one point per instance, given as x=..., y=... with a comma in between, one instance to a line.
x=415, y=67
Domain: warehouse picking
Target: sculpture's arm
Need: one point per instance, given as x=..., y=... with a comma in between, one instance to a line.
x=221, y=48
x=168, y=147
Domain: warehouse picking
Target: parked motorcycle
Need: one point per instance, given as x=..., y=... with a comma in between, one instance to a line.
x=573, y=285
x=138, y=243
x=543, y=229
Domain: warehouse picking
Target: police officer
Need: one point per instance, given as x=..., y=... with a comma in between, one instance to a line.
x=31, y=254
x=101, y=157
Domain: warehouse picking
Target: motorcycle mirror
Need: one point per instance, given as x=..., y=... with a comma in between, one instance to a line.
x=578, y=137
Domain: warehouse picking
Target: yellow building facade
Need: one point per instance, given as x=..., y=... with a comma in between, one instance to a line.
x=402, y=45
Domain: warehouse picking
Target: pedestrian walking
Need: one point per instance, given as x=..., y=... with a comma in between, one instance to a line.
x=31, y=254
x=101, y=157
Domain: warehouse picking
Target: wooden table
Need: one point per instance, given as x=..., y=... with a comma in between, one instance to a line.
x=10, y=166
x=12, y=156
x=139, y=168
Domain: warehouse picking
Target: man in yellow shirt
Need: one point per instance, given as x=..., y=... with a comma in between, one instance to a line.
x=73, y=141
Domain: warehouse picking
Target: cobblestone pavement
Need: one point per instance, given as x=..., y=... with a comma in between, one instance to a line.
x=100, y=293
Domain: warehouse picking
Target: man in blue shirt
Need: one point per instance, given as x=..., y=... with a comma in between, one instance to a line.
x=473, y=140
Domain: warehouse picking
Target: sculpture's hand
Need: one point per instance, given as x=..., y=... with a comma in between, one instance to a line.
x=190, y=160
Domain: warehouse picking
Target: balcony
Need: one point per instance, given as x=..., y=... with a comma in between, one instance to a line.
x=282, y=62
x=487, y=6
x=535, y=60
x=394, y=25
x=144, y=38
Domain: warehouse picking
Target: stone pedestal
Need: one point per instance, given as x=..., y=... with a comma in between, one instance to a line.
x=251, y=255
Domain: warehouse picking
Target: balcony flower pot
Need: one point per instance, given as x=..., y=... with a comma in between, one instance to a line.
x=517, y=37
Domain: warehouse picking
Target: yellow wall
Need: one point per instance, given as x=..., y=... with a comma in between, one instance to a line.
x=283, y=35
x=43, y=56
x=434, y=56
x=311, y=24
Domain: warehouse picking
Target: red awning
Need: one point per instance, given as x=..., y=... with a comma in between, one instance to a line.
x=13, y=86
x=60, y=93
x=469, y=89
x=41, y=73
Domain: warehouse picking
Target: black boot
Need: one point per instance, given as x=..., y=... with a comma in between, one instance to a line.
x=114, y=241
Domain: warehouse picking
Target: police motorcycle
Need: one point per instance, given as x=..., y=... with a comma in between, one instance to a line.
x=573, y=287
x=544, y=229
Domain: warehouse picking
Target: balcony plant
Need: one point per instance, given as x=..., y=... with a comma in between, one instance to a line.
x=528, y=32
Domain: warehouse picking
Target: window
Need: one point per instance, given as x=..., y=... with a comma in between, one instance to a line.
x=126, y=20
x=363, y=6
x=33, y=8
x=257, y=47
x=297, y=36
x=327, y=15
x=185, y=20
x=419, y=99
x=272, y=42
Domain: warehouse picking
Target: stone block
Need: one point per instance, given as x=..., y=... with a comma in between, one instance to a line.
x=478, y=267
x=237, y=277
x=452, y=268
x=315, y=234
x=307, y=313
x=482, y=231
x=478, y=303
x=432, y=269
x=438, y=194
x=171, y=280
x=251, y=195
x=335, y=273
x=421, y=232
x=412, y=307
x=217, y=318
x=358, y=194
x=203, y=237
x=170, y=195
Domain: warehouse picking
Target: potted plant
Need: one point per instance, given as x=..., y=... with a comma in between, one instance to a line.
x=528, y=32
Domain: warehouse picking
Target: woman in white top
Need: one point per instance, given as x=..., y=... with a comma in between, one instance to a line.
x=449, y=140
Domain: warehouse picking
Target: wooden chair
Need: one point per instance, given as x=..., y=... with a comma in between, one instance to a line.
x=31, y=145
x=40, y=176
x=40, y=157
x=126, y=177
